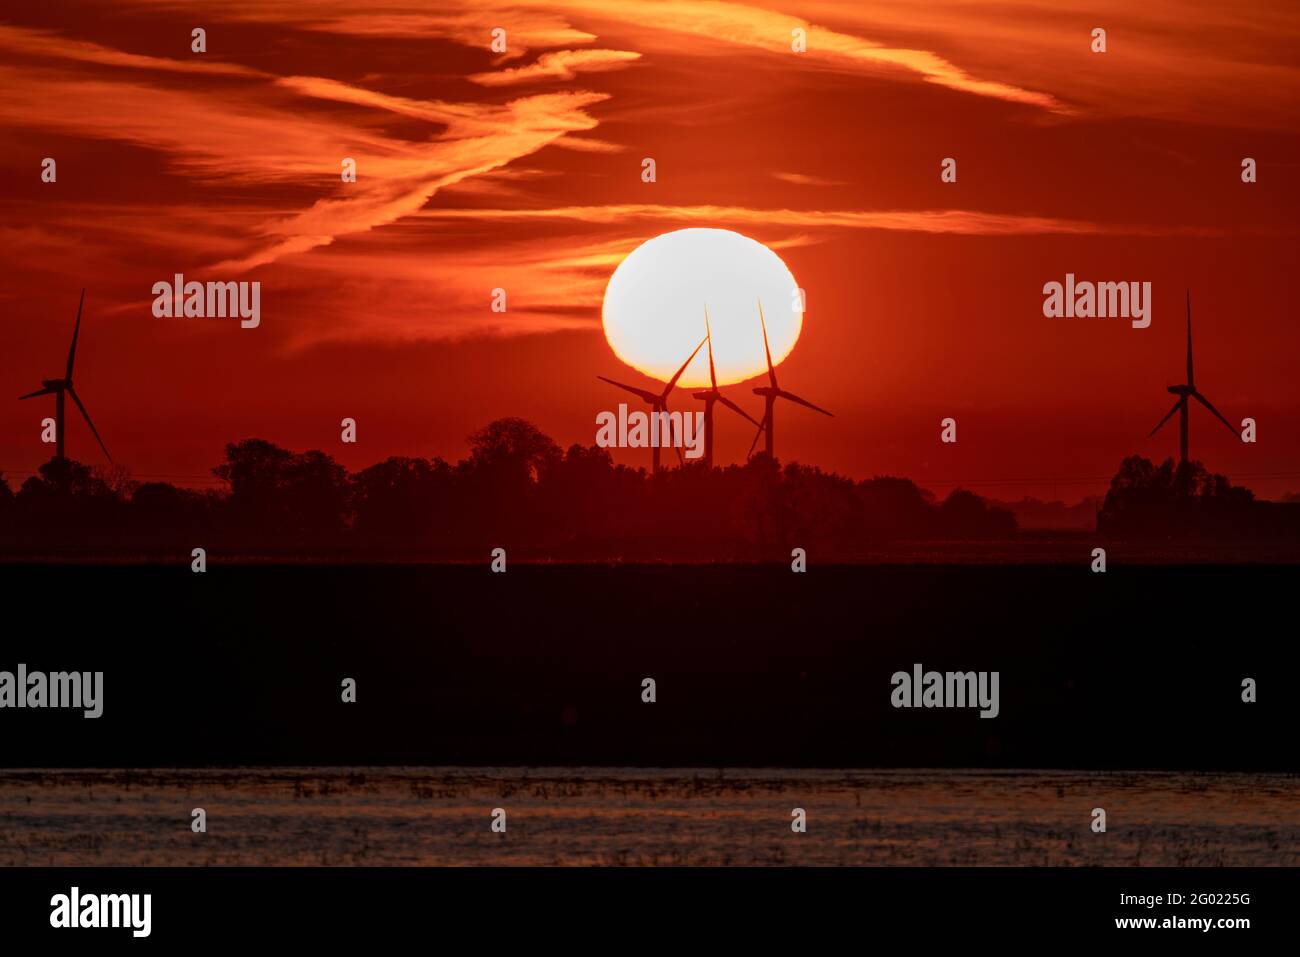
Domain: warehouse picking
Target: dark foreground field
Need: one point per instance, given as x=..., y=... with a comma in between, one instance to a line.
x=755, y=666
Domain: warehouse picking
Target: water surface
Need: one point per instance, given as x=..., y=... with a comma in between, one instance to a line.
x=562, y=816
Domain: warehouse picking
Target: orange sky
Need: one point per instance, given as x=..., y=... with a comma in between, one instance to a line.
x=522, y=171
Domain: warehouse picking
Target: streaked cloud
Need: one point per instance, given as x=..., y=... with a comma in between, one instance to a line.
x=532, y=24
x=525, y=29
x=528, y=26
x=803, y=179
x=212, y=135
x=263, y=136
x=559, y=65
x=758, y=28
x=957, y=221
x=408, y=294
x=1189, y=60
x=46, y=43
x=485, y=140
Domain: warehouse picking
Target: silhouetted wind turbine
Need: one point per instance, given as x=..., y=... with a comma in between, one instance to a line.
x=57, y=387
x=712, y=395
x=1184, y=392
x=658, y=401
x=771, y=393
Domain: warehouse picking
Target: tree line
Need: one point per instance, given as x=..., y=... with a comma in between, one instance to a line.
x=516, y=489
x=519, y=490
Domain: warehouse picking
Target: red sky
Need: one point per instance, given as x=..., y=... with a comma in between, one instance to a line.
x=522, y=171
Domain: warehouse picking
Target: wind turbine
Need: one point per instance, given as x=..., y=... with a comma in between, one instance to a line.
x=1186, y=391
x=658, y=400
x=712, y=395
x=57, y=388
x=771, y=393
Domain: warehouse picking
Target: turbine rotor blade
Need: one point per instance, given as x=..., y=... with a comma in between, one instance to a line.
x=1168, y=415
x=72, y=352
x=86, y=415
x=708, y=334
x=804, y=402
x=1206, y=402
x=672, y=383
x=1191, y=379
x=761, y=425
x=639, y=393
x=662, y=406
x=771, y=371
x=738, y=410
x=32, y=395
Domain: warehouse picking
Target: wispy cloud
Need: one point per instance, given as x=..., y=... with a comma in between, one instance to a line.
x=559, y=65
x=207, y=134
x=407, y=294
x=537, y=24
x=525, y=29
x=527, y=25
x=48, y=44
x=771, y=30
x=958, y=221
x=803, y=179
x=486, y=140
x=263, y=136
x=1163, y=62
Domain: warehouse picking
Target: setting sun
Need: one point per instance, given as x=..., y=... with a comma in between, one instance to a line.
x=655, y=302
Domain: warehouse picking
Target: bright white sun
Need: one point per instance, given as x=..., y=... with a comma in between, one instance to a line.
x=655, y=302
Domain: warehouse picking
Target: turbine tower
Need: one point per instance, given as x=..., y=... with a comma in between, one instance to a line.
x=1188, y=391
x=57, y=388
x=712, y=395
x=658, y=400
x=770, y=394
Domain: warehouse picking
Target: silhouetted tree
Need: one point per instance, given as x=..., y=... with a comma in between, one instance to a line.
x=758, y=510
x=402, y=498
x=513, y=447
x=822, y=511
x=964, y=514
x=255, y=470
x=579, y=492
x=67, y=501
x=508, y=457
x=896, y=508
x=316, y=491
x=279, y=496
x=1145, y=500
x=161, y=514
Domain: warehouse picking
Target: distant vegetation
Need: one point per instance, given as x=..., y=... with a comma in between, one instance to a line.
x=517, y=488
x=1036, y=514
x=1186, y=501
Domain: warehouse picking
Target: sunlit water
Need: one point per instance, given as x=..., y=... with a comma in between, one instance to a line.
x=433, y=816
